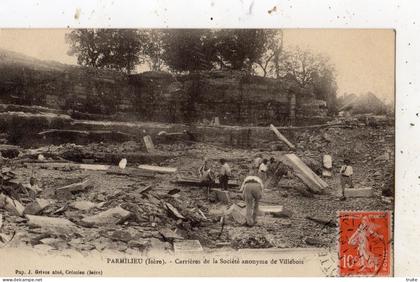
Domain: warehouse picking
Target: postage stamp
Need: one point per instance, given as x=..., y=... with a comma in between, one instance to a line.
x=365, y=243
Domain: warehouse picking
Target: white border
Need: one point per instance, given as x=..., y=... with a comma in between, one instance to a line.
x=402, y=15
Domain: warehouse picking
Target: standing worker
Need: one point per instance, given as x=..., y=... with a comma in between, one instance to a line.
x=346, y=177
x=263, y=170
x=225, y=173
x=251, y=189
x=206, y=176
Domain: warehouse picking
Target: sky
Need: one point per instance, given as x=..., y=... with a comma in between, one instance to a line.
x=363, y=58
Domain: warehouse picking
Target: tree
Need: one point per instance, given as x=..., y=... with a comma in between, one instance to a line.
x=153, y=49
x=325, y=88
x=301, y=65
x=118, y=49
x=240, y=48
x=188, y=50
x=269, y=62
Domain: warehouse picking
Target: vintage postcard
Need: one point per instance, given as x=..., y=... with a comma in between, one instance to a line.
x=197, y=152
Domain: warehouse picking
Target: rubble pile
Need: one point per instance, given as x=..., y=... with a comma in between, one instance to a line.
x=68, y=196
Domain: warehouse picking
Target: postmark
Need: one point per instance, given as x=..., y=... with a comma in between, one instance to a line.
x=364, y=243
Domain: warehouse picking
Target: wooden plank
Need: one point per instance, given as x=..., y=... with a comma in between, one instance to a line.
x=158, y=169
x=190, y=181
x=281, y=136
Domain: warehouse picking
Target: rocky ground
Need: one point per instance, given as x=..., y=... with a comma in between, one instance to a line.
x=153, y=212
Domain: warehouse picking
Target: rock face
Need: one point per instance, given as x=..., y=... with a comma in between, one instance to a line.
x=153, y=96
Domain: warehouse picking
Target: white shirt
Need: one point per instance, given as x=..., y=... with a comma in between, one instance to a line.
x=263, y=168
x=248, y=178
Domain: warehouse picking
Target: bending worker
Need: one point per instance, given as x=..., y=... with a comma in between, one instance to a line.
x=251, y=189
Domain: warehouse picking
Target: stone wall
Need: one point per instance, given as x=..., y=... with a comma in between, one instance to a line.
x=155, y=96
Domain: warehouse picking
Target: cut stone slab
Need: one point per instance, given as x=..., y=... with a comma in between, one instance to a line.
x=174, y=211
x=313, y=181
x=158, y=169
x=37, y=206
x=281, y=136
x=150, y=147
x=53, y=224
x=11, y=205
x=327, y=161
x=188, y=246
x=67, y=191
x=94, y=167
x=326, y=173
x=222, y=196
x=111, y=216
x=85, y=205
x=170, y=235
x=275, y=211
x=358, y=192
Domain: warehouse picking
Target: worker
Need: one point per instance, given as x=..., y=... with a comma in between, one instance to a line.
x=256, y=163
x=346, y=177
x=263, y=170
x=225, y=173
x=206, y=176
x=252, y=188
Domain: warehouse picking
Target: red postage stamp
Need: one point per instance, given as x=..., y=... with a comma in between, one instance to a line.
x=365, y=243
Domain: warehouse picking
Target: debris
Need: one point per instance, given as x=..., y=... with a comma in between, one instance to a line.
x=85, y=205
x=237, y=213
x=222, y=196
x=313, y=181
x=174, y=211
x=314, y=241
x=158, y=169
x=37, y=206
x=11, y=205
x=123, y=163
x=202, y=214
x=150, y=147
x=41, y=157
x=53, y=224
x=145, y=189
x=169, y=235
x=358, y=192
x=327, y=222
x=67, y=191
x=1, y=220
x=187, y=246
x=281, y=136
x=174, y=191
x=112, y=216
x=121, y=235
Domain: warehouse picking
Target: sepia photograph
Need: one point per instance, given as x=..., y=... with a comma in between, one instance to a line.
x=180, y=147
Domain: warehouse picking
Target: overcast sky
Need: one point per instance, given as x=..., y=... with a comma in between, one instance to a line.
x=363, y=59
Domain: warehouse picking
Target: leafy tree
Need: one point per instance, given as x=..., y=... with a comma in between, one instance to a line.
x=269, y=62
x=153, y=49
x=118, y=49
x=188, y=50
x=301, y=65
x=240, y=48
